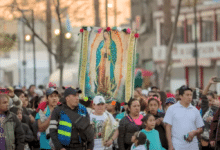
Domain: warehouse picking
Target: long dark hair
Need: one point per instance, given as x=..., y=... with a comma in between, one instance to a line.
x=163, y=98
x=144, y=120
x=153, y=99
x=142, y=139
x=15, y=109
x=130, y=102
x=35, y=102
x=143, y=104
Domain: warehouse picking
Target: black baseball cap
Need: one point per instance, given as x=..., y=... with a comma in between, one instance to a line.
x=51, y=91
x=71, y=91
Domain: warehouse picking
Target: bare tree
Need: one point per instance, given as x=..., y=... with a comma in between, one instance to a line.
x=97, y=17
x=170, y=45
x=59, y=57
x=49, y=34
x=167, y=26
x=61, y=64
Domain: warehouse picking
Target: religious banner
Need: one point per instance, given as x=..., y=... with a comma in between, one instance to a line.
x=107, y=62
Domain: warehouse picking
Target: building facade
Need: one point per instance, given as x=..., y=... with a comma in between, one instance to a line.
x=183, y=61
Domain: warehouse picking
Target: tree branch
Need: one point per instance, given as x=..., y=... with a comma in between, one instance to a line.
x=70, y=52
x=170, y=45
x=35, y=34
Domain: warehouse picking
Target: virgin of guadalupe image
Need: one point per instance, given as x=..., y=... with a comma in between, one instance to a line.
x=106, y=57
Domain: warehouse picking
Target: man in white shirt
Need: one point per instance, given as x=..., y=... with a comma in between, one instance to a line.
x=181, y=119
x=99, y=118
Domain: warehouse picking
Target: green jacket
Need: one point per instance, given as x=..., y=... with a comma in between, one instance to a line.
x=14, y=134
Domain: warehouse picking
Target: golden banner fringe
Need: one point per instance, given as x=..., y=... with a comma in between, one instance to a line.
x=129, y=86
x=83, y=62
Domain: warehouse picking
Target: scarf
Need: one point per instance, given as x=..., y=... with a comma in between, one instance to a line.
x=43, y=105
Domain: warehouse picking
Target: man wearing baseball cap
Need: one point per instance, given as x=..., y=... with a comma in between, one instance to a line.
x=70, y=125
x=43, y=116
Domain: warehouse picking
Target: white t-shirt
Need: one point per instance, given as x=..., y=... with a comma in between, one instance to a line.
x=183, y=121
x=143, y=113
x=89, y=110
x=139, y=147
x=98, y=122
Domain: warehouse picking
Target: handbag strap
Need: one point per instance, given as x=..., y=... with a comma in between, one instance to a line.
x=131, y=120
x=74, y=116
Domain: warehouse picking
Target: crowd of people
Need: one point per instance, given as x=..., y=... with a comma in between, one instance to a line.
x=57, y=119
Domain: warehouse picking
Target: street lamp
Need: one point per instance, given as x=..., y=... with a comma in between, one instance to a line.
x=110, y=5
x=68, y=35
x=27, y=38
x=57, y=31
x=195, y=52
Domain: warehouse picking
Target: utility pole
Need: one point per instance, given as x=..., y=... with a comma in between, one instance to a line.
x=49, y=35
x=24, y=51
x=106, y=13
x=61, y=64
x=34, y=51
x=196, y=47
x=19, y=51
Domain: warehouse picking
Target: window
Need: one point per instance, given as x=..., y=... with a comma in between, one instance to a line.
x=180, y=33
x=190, y=30
x=218, y=26
x=161, y=33
x=207, y=29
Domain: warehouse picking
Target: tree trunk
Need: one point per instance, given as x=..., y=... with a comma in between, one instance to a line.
x=170, y=45
x=61, y=43
x=97, y=17
x=167, y=30
x=61, y=73
x=49, y=35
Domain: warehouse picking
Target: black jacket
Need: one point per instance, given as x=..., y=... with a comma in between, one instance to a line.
x=214, y=127
x=161, y=130
x=25, y=111
x=28, y=133
x=88, y=133
x=126, y=131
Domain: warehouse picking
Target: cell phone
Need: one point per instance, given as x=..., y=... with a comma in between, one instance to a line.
x=4, y=91
x=216, y=80
x=186, y=136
